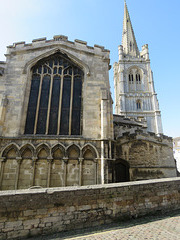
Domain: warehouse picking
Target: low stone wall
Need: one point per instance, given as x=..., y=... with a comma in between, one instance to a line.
x=26, y=213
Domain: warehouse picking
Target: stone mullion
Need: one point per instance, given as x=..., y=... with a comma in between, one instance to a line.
x=34, y=160
x=49, y=104
x=18, y=159
x=80, y=171
x=71, y=102
x=49, y=171
x=60, y=102
x=65, y=160
x=134, y=75
x=38, y=103
x=2, y=161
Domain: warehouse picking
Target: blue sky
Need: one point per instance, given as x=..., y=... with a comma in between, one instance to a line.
x=100, y=22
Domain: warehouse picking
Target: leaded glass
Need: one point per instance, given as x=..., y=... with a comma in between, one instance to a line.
x=55, y=97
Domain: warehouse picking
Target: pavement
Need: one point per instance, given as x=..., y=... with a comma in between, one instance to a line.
x=159, y=227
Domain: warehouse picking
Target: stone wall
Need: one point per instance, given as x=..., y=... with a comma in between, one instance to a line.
x=93, y=61
x=26, y=213
x=148, y=155
x=49, y=162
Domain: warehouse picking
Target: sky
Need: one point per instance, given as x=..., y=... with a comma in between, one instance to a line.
x=155, y=23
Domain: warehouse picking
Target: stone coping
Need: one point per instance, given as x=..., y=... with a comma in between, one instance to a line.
x=90, y=187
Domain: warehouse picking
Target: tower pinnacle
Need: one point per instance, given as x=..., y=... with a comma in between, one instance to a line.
x=128, y=38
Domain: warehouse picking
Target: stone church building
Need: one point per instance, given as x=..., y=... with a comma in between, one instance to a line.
x=57, y=126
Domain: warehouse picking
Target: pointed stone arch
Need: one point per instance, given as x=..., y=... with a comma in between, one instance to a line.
x=73, y=148
x=28, y=128
x=41, y=165
x=71, y=57
x=9, y=168
x=135, y=69
x=89, y=165
x=25, y=177
x=42, y=146
x=73, y=154
x=57, y=147
x=90, y=147
x=28, y=146
x=58, y=166
x=8, y=148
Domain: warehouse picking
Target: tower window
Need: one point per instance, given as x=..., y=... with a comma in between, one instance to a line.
x=138, y=78
x=138, y=104
x=55, y=98
x=131, y=79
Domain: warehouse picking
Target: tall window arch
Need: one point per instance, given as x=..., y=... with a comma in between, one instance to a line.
x=55, y=97
x=138, y=78
x=131, y=79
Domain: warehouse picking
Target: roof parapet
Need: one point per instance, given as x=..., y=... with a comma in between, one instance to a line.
x=60, y=38
x=56, y=39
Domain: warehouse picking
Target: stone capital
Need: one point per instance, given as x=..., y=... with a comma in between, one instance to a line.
x=65, y=159
x=81, y=160
x=34, y=159
x=2, y=159
x=18, y=159
x=50, y=159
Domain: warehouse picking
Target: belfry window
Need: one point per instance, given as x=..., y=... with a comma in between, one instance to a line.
x=138, y=78
x=55, y=97
x=131, y=79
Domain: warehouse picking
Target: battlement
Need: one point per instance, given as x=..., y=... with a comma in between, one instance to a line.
x=57, y=39
x=142, y=134
x=131, y=128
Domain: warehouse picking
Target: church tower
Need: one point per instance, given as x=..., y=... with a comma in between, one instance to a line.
x=135, y=95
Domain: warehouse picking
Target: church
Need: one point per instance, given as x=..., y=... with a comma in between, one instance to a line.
x=57, y=126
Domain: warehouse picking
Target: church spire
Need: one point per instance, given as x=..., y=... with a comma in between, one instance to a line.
x=128, y=38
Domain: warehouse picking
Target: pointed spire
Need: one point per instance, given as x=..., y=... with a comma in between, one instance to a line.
x=128, y=38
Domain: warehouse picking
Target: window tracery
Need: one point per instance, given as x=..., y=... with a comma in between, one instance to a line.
x=131, y=78
x=135, y=79
x=55, y=97
x=138, y=78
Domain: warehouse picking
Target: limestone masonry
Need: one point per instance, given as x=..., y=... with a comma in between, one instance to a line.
x=28, y=213
x=57, y=126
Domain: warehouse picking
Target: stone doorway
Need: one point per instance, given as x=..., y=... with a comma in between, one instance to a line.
x=121, y=171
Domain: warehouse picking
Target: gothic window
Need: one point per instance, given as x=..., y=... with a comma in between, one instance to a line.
x=55, y=97
x=131, y=78
x=138, y=78
x=138, y=104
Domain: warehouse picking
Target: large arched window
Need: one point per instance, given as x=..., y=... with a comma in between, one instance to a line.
x=55, y=97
